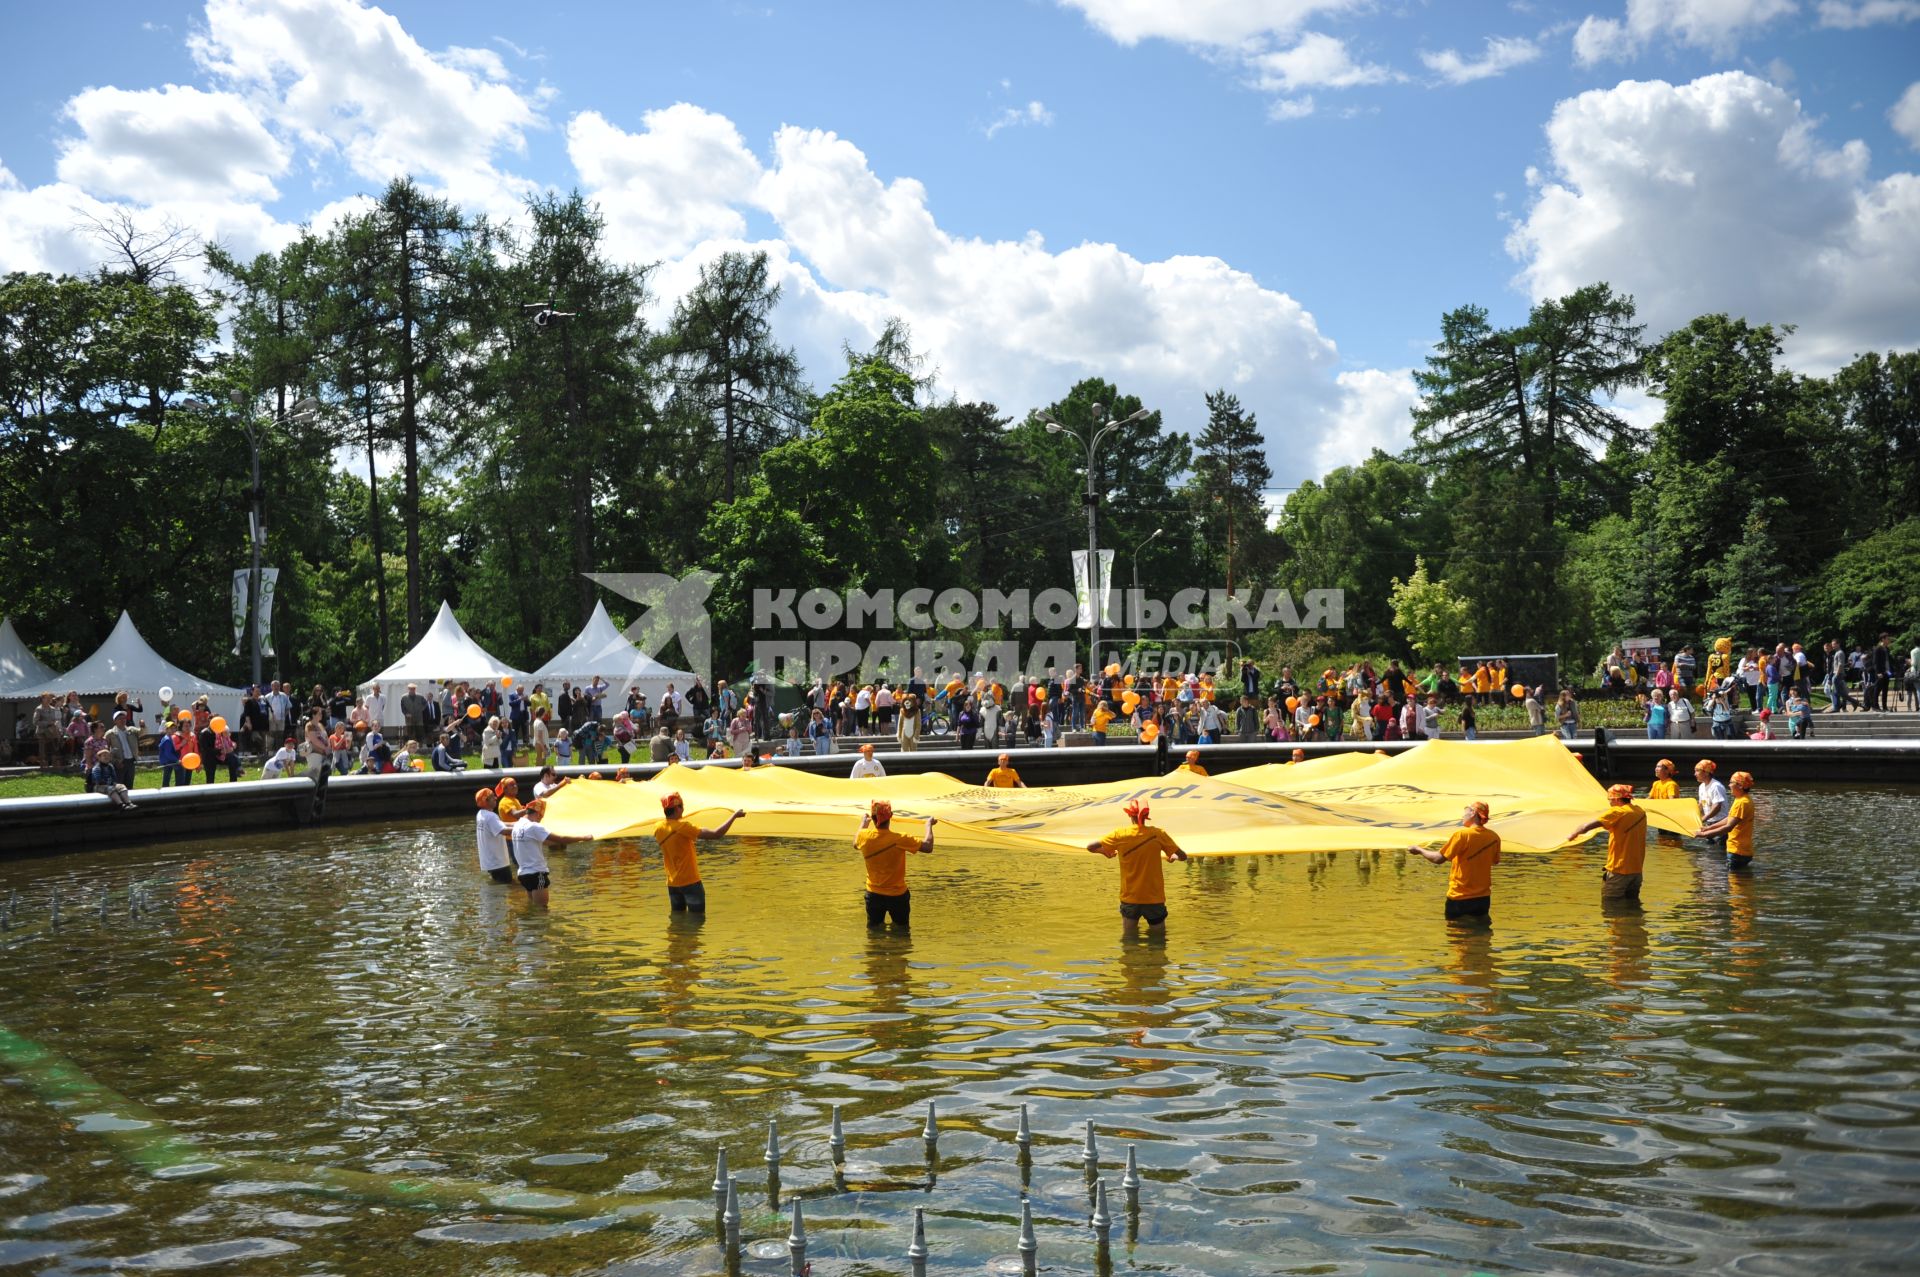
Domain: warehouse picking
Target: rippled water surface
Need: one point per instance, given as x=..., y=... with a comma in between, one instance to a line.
x=345, y=1051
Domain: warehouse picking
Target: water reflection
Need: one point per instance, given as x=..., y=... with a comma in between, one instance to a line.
x=1317, y=1069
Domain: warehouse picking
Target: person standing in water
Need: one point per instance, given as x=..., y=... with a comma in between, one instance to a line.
x=491, y=833
x=1470, y=853
x=530, y=842
x=1140, y=847
x=1004, y=776
x=1664, y=786
x=676, y=836
x=885, y=853
x=1626, y=826
x=1737, y=824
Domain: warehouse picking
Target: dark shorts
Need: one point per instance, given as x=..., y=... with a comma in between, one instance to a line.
x=1619, y=886
x=503, y=874
x=1475, y=907
x=1738, y=864
x=535, y=882
x=1154, y=914
x=884, y=908
x=688, y=899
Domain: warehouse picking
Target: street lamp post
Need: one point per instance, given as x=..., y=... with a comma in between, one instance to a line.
x=303, y=411
x=1137, y=609
x=1092, y=501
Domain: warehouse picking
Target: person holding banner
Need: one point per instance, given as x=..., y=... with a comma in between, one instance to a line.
x=885, y=853
x=1626, y=826
x=1140, y=847
x=676, y=836
x=1004, y=776
x=1470, y=853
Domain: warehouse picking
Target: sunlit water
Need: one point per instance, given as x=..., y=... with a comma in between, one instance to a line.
x=1318, y=1075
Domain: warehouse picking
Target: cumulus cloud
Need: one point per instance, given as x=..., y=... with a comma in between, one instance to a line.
x=1750, y=213
x=1866, y=13
x=1221, y=23
x=1716, y=25
x=1373, y=410
x=1316, y=61
x=176, y=142
x=349, y=78
x=1502, y=54
x=679, y=181
x=1905, y=115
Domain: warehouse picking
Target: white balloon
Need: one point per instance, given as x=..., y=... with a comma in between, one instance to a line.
x=166, y=694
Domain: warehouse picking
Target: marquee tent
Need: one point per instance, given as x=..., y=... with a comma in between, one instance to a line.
x=19, y=667
x=602, y=649
x=444, y=654
x=125, y=663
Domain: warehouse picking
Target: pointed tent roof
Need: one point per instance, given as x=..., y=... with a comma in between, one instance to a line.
x=446, y=653
x=600, y=648
x=19, y=667
x=126, y=663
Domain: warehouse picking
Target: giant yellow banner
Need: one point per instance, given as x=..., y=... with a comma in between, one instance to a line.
x=1537, y=790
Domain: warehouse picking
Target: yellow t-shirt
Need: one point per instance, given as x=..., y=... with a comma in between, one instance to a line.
x=1138, y=851
x=1626, y=828
x=507, y=807
x=1197, y=770
x=1471, y=854
x=1663, y=789
x=1003, y=778
x=676, y=838
x=886, y=855
x=1740, y=832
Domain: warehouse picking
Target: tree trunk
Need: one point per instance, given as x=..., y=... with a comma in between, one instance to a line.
x=410, y=442
x=379, y=545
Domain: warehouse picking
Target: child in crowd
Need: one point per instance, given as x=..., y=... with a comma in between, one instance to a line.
x=283, y=759
x=104, y=778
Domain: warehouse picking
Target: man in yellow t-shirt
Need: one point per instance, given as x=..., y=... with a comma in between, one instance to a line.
x=1626, y=826
x=1470, y=853
x=509, y=791
x=1192, y=764
x=1003, y=776
x=1737, y=825
x=676, y=836
x=1664, y=785
x=1139, y=848
x=886, y=855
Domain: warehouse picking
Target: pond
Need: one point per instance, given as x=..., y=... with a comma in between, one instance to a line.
x=346, y=1051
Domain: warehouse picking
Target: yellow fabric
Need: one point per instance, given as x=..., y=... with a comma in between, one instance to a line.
x=886, y=856
x=1003, y=778
x=1663, y=789
x=1740, y=832
x=1471, y=854
x=1193, y=769
x=1536, y=788
x=1138, y=852
x=1626, y=828
x=676, y=839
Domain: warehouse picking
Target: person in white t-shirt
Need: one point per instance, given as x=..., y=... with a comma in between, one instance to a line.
x=866, y=765
x=530, y=843
x=376, y=708
x=283, y=759
x=549, y=783
x=491, y=833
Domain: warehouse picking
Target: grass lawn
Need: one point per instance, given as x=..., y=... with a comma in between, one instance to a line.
x=40, y=786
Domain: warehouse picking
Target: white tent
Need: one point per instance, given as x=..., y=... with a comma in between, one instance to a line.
x=124, y=663
x=19, y=667
x=600, y=648
x=444, y=654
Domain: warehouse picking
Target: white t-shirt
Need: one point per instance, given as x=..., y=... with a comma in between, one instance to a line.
x=277, y=765
x=491, y=832
x=541, y=788
x=1713, y=801
x=377, y=708
x=530, y=847
x=864, y=767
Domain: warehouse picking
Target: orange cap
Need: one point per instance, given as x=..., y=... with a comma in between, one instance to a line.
x=480, y=797
x=1741, y=780
x=881, y=809
x=1481, y=810
x=1620, y=793
x=1136, y=809
x=669, y=801
x=1706, y=764
x=1666, y=763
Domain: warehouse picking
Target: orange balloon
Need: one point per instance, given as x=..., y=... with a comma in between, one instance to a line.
x=1293, y=703
x=185, y=716
x=1128, y=680
x=506, y=681
x=1519, y=691
x=191, y=762
x=1313, y=720
x=1113, y=670
x=1040, y=694
x=473, y=711
x=217, y=723
x=1148, y=733
x=1130, y=702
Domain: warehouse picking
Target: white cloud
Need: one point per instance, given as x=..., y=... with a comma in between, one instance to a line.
x=1867, y=13
x=1904, y=115
x=176, y=142
x=1222, y=23
x=1716, y=25
x=1502, y=55
x=1283, y=109
x=1371, y=411
x=1752, y=214
x=1032, y=113
x=348, y=77
x=1316, y=61
x=665, y=189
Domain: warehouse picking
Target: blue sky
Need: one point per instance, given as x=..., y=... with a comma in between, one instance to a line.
x=1279, y=196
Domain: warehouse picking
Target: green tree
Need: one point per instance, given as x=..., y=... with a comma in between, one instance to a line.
x=1227, y=492
x=1437, y=622
x=1748, y=583
x=1355, y=530
x=1868, y=588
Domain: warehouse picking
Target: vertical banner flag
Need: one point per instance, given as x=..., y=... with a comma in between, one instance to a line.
x=1083, y=592
x=269, y=577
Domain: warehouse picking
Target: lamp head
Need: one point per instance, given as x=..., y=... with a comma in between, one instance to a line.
x=1055, y=428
